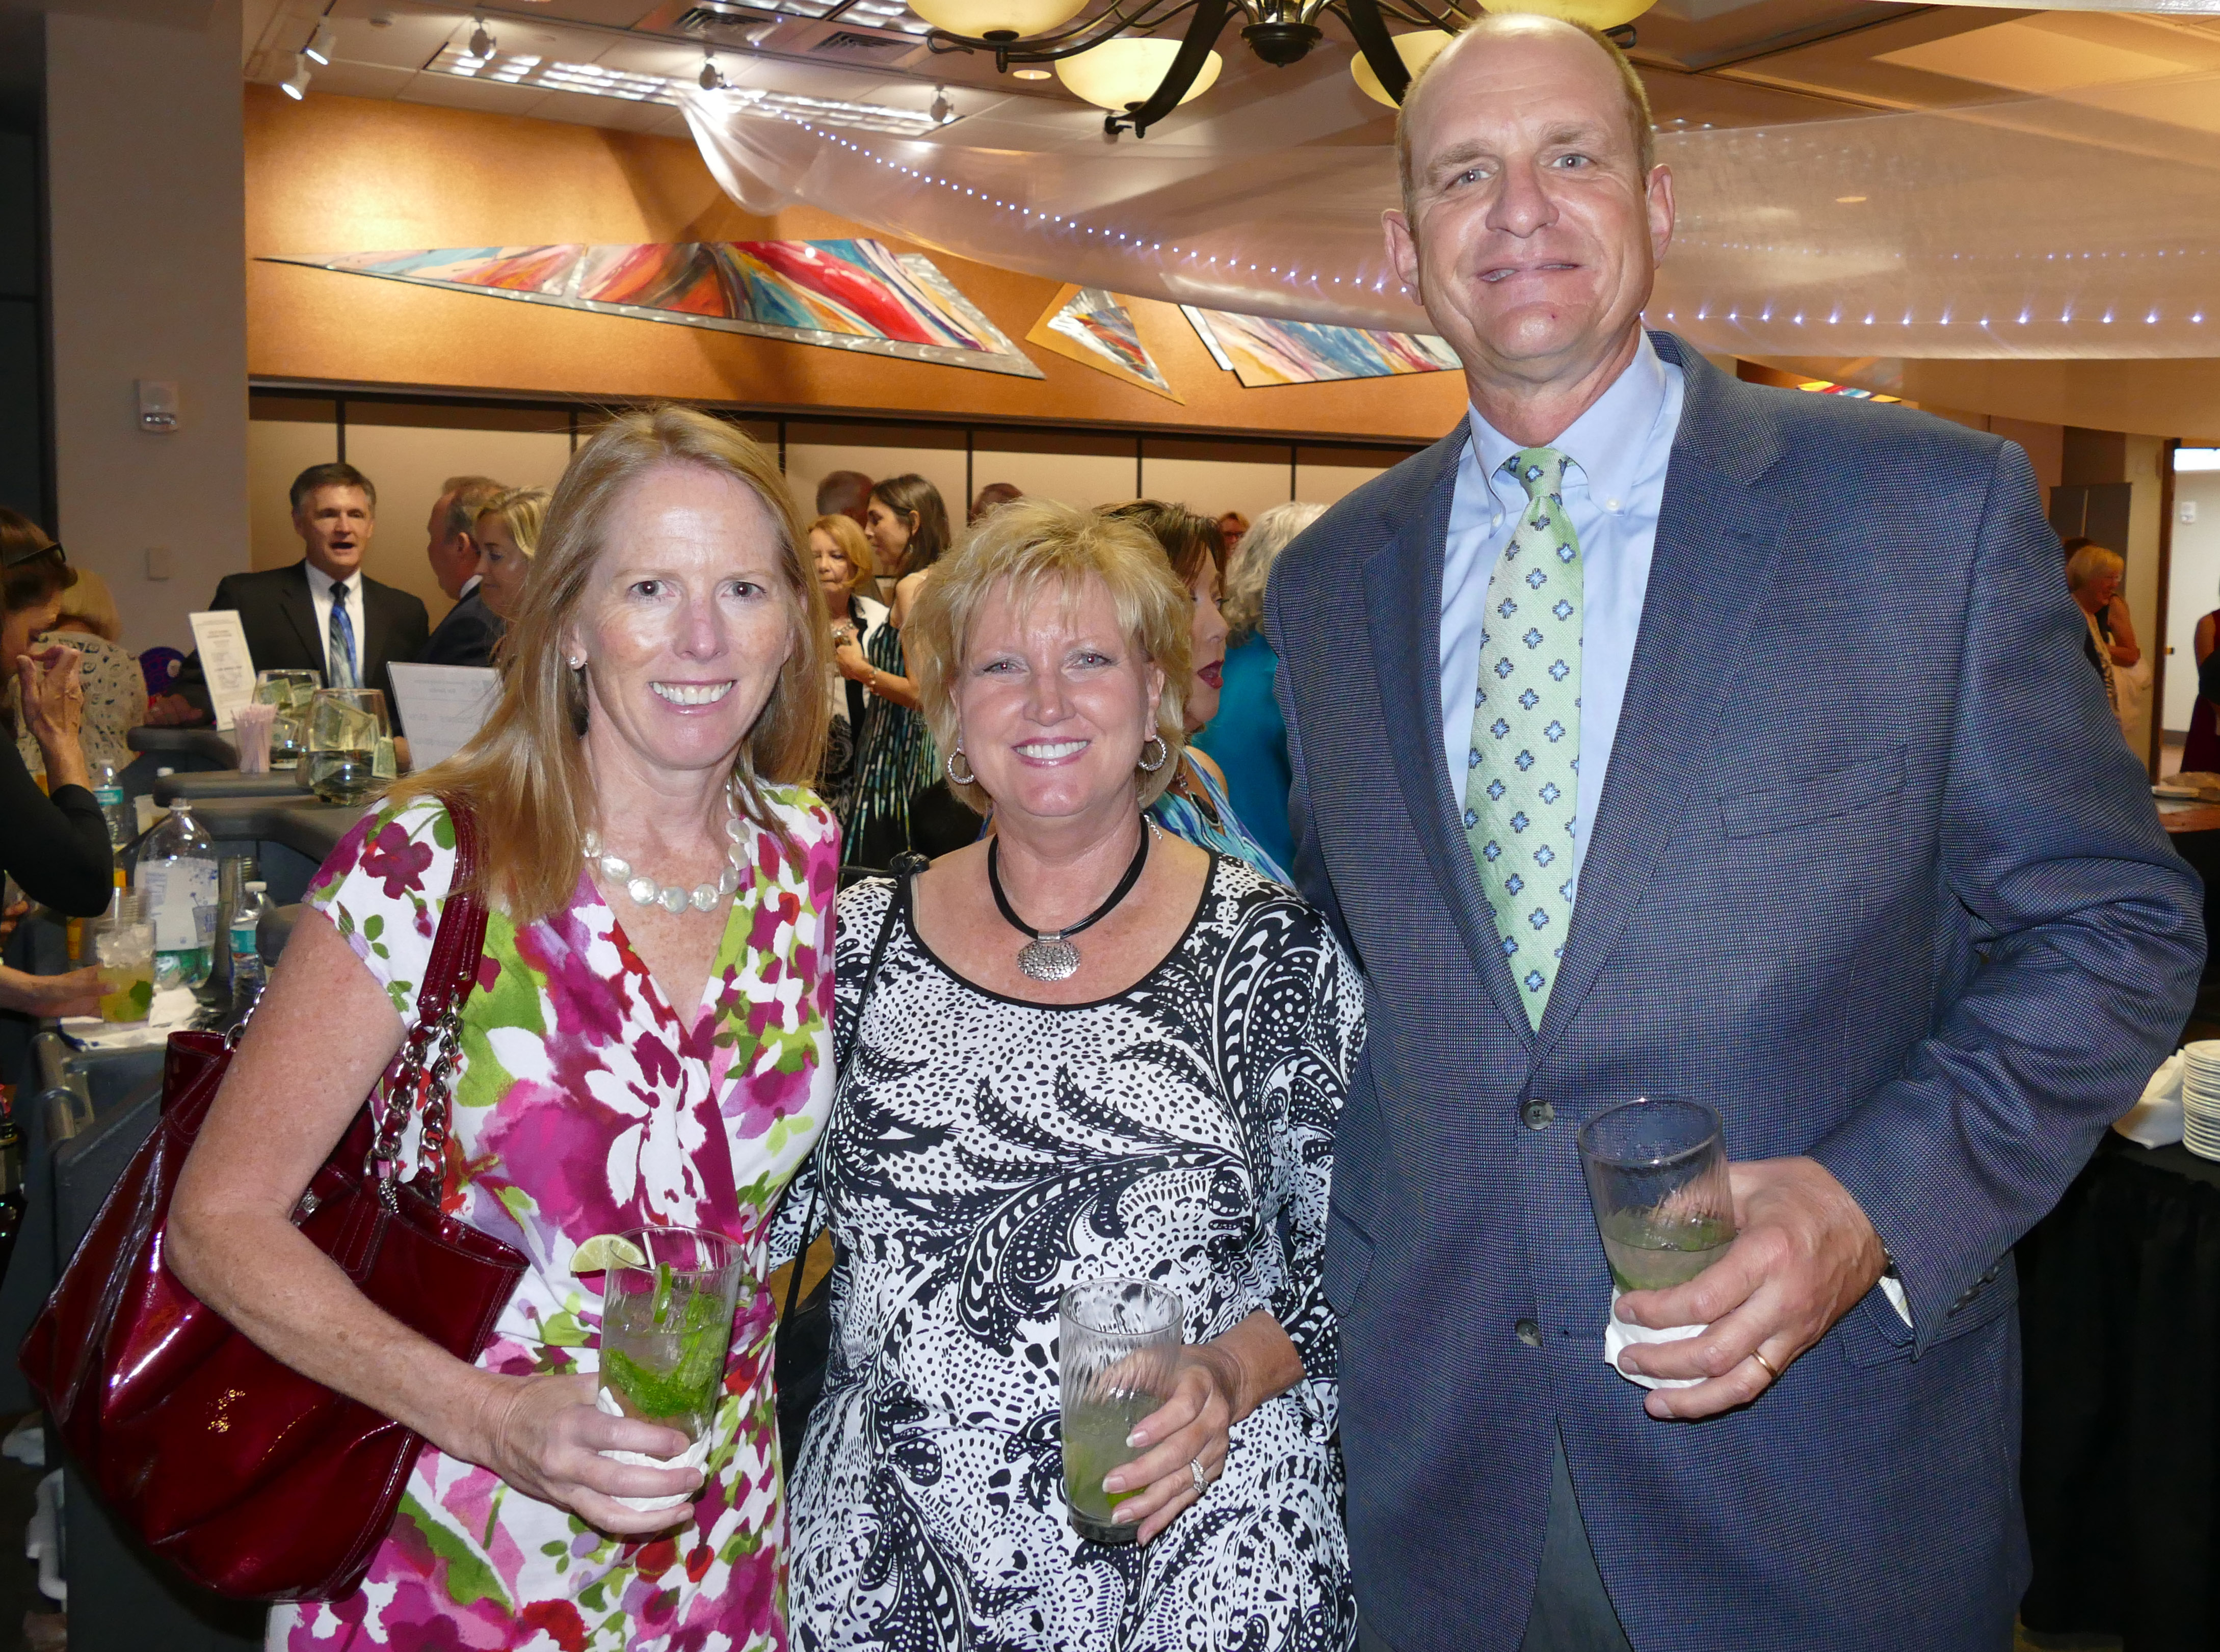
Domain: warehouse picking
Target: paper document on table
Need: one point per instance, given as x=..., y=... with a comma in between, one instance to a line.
x=441, y=706
x=225, y=662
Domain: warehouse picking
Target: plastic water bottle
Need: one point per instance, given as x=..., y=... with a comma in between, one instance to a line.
x=177, y=869
x=247, y=974
x=110, y=794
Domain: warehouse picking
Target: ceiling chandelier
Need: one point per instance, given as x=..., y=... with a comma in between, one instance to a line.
x=1113, y=60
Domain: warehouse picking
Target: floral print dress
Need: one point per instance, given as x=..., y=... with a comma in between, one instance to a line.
x=584, y=1105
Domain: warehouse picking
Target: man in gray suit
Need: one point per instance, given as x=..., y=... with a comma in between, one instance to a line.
x=1655, y=732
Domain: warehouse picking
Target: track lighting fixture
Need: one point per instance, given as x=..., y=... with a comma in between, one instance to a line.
x=711, y=80
x=481, y=43
x=943, y=110
x=322, y=45
x=296, y=86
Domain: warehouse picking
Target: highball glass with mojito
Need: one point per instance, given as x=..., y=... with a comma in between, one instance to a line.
x=1657, y=1174
x=666, y=1329
x=1118, y=1353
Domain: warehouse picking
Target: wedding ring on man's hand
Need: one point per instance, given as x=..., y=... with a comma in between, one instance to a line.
x=1202, y=1481
x=1771, y=1370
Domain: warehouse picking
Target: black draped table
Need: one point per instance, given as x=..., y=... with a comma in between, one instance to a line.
x=2120, y=1321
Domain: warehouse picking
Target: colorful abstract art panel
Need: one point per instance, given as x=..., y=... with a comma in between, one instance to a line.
x=1261, y=350
x=845, y=295
x=1094, y=327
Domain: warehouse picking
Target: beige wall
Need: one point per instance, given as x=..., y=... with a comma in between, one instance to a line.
x=2140, y=585
x=146, y=225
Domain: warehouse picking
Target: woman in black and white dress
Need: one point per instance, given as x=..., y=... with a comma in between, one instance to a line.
x=1154, y=1097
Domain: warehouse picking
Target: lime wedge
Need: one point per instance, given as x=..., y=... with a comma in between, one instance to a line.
x=604, y=1251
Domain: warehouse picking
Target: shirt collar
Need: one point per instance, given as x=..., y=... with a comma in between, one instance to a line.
x=469, y=585
x=1608, y=442
x=320, y=584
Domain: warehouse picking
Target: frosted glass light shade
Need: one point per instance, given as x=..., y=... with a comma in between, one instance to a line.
x=1120, y=74
x=1596, y=14
x=1417, y=50
x=979, y=18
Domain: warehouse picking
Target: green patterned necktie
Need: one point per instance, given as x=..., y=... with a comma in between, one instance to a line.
x=1522, y=775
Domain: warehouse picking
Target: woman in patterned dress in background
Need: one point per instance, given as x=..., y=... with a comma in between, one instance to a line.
x=1164, y=1109
x=625, y=1063
x=894, y=758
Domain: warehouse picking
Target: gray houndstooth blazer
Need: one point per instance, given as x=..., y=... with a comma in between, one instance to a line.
x=1872, y=873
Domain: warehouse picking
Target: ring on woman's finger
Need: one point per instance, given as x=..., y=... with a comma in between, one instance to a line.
x=1201, y=1480
x=1772, y=1370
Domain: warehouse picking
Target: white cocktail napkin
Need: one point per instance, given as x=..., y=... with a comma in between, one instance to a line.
x=2155, y=1120
x=694, y=1456
x=1619, y=1336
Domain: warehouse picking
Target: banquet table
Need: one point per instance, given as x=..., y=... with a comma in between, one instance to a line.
x=2120, y=1468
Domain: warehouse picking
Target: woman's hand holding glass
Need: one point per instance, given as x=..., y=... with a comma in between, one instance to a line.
x=53, y=710
x=545, y=1436
x=1217, y=1384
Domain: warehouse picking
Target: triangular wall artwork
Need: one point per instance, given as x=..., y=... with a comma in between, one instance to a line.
x=1261, y=350
x=845, y=295
x=1094, y=327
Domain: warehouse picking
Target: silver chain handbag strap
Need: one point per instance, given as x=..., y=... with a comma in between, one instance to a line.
x=421, y=1078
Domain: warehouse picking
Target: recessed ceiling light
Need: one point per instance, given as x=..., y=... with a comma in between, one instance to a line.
x=1030, y=74
x=1848, y=200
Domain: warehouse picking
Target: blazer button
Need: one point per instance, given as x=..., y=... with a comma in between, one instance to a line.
x=1528, y=1333
x=1538, y=1115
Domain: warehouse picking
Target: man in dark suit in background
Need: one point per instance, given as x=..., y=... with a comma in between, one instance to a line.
x=323, y=614
x=467, y=633
x=1658, y=733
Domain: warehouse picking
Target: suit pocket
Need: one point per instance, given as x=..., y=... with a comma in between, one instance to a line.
x=1348, y=1261
x=1824, y=796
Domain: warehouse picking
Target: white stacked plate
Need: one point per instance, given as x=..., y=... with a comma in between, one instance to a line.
x=2200, y=1098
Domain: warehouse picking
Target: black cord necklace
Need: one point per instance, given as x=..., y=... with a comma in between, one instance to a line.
x=1053, y=957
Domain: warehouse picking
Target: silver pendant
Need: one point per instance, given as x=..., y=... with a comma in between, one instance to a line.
x=1048, y=957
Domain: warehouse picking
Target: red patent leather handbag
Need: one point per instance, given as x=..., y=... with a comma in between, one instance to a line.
x=257, y=1482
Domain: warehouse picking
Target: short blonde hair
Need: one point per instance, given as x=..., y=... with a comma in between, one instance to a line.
x=524, y=772
x=2088, y=561
x=1025, y=549
x=91, y=602
x=854, y=544
x=523, y=512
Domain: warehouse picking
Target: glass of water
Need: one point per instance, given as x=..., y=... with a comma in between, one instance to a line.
x=1657, y=1174
x=1118, y=1353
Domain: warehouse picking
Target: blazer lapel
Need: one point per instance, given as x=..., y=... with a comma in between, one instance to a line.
x=1718, y=541
x=300, y=609
x=1403, y=604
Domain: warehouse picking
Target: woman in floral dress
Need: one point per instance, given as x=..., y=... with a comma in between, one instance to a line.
x=667, y=690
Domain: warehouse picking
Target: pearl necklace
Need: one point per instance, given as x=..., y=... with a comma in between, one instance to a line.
x=647, y=892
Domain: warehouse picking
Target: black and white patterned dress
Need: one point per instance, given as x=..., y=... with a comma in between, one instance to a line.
x=984, y=1153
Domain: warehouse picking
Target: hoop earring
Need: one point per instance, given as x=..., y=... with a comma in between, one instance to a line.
x=1163, y=752
x=969, y=777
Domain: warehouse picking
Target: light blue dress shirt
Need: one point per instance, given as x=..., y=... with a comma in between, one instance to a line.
x=1619, y=450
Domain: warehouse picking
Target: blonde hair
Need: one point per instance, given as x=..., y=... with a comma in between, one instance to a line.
x=90, y=601
x=523, y=512
x=854, y=543
x=525, y=773
x=1261, y=546
x=1023, y=550
x=2088, y=562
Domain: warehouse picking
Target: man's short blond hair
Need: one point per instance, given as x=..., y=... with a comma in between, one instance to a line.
x=1637, y=101
x=1024, y=550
